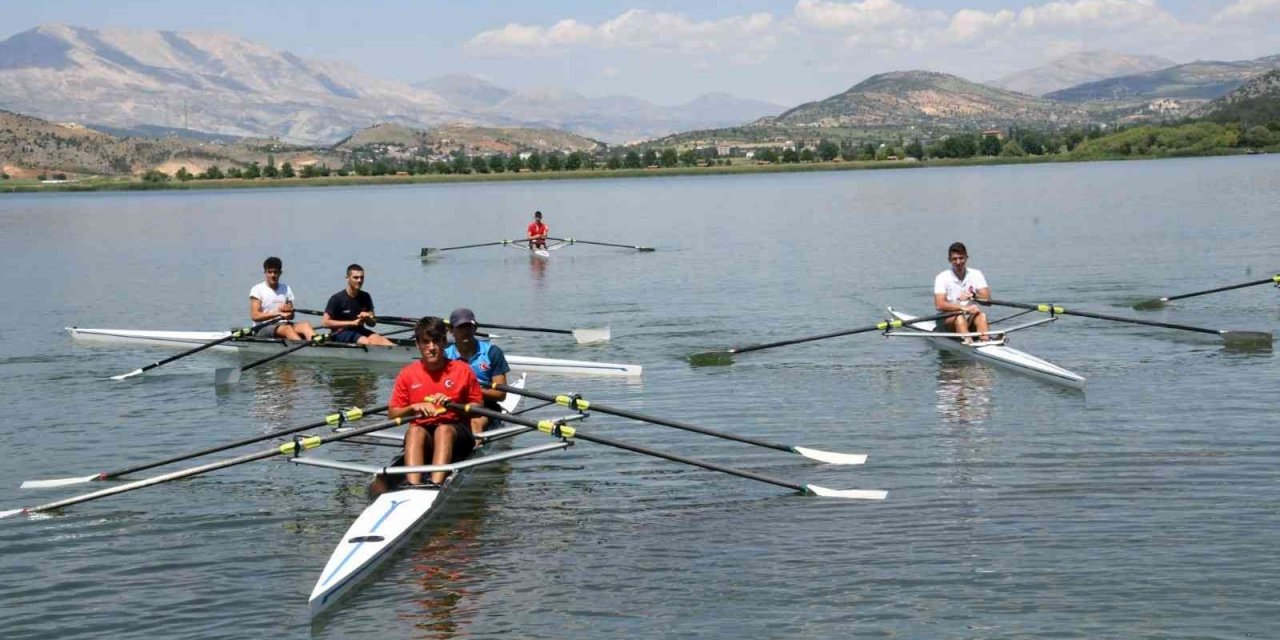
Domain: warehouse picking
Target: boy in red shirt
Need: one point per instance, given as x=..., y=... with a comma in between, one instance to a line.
x=422, y=387
x=537, y=232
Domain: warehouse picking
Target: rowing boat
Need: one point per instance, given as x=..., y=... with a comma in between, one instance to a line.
x=401, y=353
x=393, y=517
x=995, y=352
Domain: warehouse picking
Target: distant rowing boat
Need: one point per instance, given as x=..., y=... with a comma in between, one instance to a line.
x=995, y=352
x=400, y=353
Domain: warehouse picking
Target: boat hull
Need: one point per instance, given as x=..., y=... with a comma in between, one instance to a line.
x=1000, y=355
x=398, y=354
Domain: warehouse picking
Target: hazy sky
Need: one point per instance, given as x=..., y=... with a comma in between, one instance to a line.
x=785, y=51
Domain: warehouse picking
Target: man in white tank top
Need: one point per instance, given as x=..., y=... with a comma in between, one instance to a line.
x=956, y=289
x=271, y=299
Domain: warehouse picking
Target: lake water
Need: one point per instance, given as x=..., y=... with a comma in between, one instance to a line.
x=1143, y=508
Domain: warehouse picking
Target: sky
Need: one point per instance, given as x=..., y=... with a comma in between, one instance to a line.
x=668, y=52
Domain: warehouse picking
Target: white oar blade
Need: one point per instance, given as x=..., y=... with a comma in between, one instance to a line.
x=588, y=336
x=131, y=374
x=9, y=513
x=831, y=457
x=56, y=482
x=226, y=375
x=848, y=494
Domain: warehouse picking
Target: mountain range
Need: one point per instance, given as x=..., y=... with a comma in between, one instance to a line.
x=223, y=84
x=1078, y=68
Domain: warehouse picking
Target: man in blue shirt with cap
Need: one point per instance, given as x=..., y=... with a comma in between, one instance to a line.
x=485, y=358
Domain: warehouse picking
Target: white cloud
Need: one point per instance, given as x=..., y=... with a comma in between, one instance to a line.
x=1246, y=10
x=865, y=16
x=1090, y=14
x=635, y=29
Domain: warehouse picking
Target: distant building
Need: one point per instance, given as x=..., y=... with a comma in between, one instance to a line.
x=998, y=134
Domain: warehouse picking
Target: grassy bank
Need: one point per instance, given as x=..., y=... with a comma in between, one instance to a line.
x=118, y=183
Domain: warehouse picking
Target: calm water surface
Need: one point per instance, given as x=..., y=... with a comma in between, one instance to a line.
x=1144, y=508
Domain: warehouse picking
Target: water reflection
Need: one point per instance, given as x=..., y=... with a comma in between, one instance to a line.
x=964, y=391
x=538, y=270
x=351, y=386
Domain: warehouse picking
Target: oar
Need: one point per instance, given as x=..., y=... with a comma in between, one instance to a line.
x=580, y=404
x=560, y=430
x=1232, y=338
x=426, y=251
x=603, y=244
x=294, y=447
x=238, y=333
x=231, y=375
x=351, y=414
x=715, y=358
x=583, y=336
x=1159, y=302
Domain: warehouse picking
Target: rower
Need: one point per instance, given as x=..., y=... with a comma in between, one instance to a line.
x=537, y=232
x=349, y=313
x=486, y=359
x=272, y=299
x=956, y=289
x=422, y=388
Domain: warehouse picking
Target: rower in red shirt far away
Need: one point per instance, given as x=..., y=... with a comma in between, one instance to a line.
x=537, y=232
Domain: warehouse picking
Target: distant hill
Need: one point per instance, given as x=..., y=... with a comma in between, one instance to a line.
x=476, y=140
x=1076, y=69
x=607, y=118
x=1256, y=102
x=928, y=98
x=1172, y=92
x=154, y=131
x=29, y=146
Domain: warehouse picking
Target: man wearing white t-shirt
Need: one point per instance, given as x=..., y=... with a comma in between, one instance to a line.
x=956, y=289
x=273, y=299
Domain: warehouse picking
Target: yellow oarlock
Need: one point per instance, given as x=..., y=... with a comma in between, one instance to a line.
x=573, y=403
x=309, y=442
x=891, y=324
x=1049, y=308
x=553, y=427
x=354, y=413
x=1276, y=277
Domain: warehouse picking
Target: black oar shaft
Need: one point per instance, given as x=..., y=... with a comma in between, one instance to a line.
x=1273, y=279
x=602, y=244
x=353, y=413
x=1056, y=310
x=879, y=326
x=238, y=333
x=313, y=341
x=581, y=404
x=412, y=321
x=555, y=429
x=289, y=448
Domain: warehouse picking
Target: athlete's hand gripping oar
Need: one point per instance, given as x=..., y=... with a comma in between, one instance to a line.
x=238, y=333
x=709, y=358
x=1232, y=338
x=580, y=404
x=1159, y=302
x=231, y=375
x=351, y=414
x=558, y=429
x=583, y=336
x=603, y=244
x=294, y=447
x=427, y=251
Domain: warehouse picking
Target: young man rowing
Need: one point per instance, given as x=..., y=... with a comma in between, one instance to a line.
x=956, y=289
x=272, y=299
x=349, y=313
x=486, y=359
x=537, y=232
x=440, y=435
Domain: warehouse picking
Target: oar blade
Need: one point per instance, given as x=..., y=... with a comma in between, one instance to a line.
x=847, y=494
x=592, y=335
x=10, y=513
x=56, y=482
x=1149, y=305
x=645, y=249
x=711, y=359
x=123, y=376
x=1248, y=339
x=226, y=376
x=831, y=457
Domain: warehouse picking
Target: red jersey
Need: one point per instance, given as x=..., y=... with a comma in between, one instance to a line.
x=536, y=228
x=457, y=381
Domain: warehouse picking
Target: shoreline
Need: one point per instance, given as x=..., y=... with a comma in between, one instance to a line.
x=131, y=183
